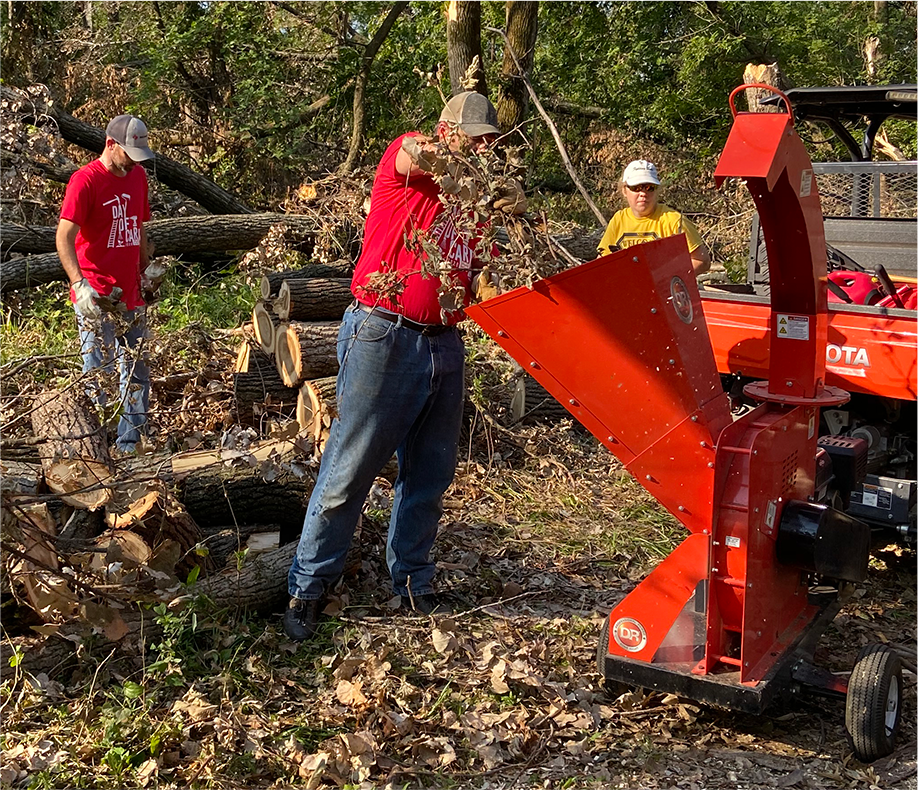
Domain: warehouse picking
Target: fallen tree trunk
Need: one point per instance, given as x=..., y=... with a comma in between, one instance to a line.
x=532, y=403
x=306, y=350
x=258, y=388
x=27, y=239
x=316, y=407
x=266, y=493
x=74, y=456
x=167, y=237
x=317, y=299
x=264, y=326
x=271, y=282
x=171, y=173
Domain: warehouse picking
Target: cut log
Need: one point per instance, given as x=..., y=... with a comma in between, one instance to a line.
x=157, y=517
x=20, y=477
x=178, y=236
x=271, y=492
x=28, y=239
x=316, y=407
x=258, y=388
x=532, y=403
x=306, y=350
x=316, y=299
x=271, y=282
x=75, y=456
x=264, y=325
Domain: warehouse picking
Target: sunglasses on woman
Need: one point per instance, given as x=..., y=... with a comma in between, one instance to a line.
x=642, y=188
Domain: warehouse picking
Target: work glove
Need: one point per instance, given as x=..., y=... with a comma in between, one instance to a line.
x=485, y=285
x=85, y=299
x=111, y=303
x=510, y=198
x=426, y=160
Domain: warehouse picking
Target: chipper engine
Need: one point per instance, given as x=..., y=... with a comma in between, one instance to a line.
x=732, y=616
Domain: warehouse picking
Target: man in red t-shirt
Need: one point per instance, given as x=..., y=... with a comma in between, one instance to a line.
x=400, y=383
x=102, y=245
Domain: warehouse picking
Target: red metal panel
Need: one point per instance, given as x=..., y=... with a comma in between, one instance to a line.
x=867, y=352
x=617, y=342
x=752, y=145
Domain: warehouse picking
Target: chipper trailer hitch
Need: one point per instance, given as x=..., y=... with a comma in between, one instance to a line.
x=732, y=616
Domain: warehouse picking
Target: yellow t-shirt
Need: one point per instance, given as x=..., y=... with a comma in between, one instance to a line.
x=626, y=230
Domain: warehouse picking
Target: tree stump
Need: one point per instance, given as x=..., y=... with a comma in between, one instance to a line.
x=306, y=351
x=271, y=282
x=75, y=456
x=264, y=325
x=258, y=388
x=316, y=407
x=317, y=299
x=532, y=403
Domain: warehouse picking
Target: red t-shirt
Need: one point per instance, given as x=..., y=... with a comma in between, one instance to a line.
x=401, y=206
x=110, y=210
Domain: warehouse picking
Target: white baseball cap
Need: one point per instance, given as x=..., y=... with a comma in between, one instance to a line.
x=640, y=171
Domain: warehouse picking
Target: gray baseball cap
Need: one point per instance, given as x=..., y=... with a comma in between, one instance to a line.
x=131, y=134
x=472, y=112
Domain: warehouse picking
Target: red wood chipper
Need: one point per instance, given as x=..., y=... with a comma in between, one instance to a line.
x=731, y=618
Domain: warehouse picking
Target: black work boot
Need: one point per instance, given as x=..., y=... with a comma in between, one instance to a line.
x=427, y=604
x=301, y=619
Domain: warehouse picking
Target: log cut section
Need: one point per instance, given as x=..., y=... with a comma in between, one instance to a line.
x=264, y=324
x=316, y=407
x=306, y=351
x=271, y=282
x=258, y=388
x=316, y=299
x=74, y=456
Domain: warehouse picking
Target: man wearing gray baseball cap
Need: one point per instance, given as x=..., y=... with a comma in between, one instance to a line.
x=102, y=245
x=401, y=381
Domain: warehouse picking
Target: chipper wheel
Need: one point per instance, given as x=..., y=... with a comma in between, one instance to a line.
x=873, y=709
x=602, y=648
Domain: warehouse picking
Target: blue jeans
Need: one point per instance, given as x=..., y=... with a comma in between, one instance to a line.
x=102, y=348
x=398, y=392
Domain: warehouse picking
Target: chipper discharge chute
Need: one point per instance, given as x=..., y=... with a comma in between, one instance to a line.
x=732, y=616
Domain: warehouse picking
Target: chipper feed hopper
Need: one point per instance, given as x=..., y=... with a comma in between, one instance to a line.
x=732, y=616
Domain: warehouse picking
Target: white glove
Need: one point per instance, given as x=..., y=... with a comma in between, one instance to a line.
x=85, y=296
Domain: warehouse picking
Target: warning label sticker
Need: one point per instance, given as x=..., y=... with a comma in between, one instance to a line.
x=806, y=183
x=793, y=327
x=873, y=496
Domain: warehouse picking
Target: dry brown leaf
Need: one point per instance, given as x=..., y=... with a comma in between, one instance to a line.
x=497, y=677
x=350, y=694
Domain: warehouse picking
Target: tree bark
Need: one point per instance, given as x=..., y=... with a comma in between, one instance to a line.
x=317, y=299
x=316, y=407
x=167, y=237
x=264, y=324
x=75, y=456
x=522, y=27
x=306, y=350
x=463, y=43
x=258, y=389
x=218, y=495
x=360, y=85
x=271, y=282
x=532, y=403
x=764, y=74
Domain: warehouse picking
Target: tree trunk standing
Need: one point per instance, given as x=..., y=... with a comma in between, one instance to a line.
x=463, y=43
x=522, y=27
x=766, y=74
x=360, y=85
x=306, y=351
x=271, y=282
x=317, y=299
x=75, y=456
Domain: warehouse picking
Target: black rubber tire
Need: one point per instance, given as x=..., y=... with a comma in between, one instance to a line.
x=873, y=709
x=602, y=648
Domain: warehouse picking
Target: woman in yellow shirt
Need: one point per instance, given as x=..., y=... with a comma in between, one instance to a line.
x=646, y=219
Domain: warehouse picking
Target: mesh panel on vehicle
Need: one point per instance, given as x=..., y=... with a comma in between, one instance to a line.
x=868, y=189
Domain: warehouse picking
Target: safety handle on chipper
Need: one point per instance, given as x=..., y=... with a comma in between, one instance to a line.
x=887, y=283
x=763, y=86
